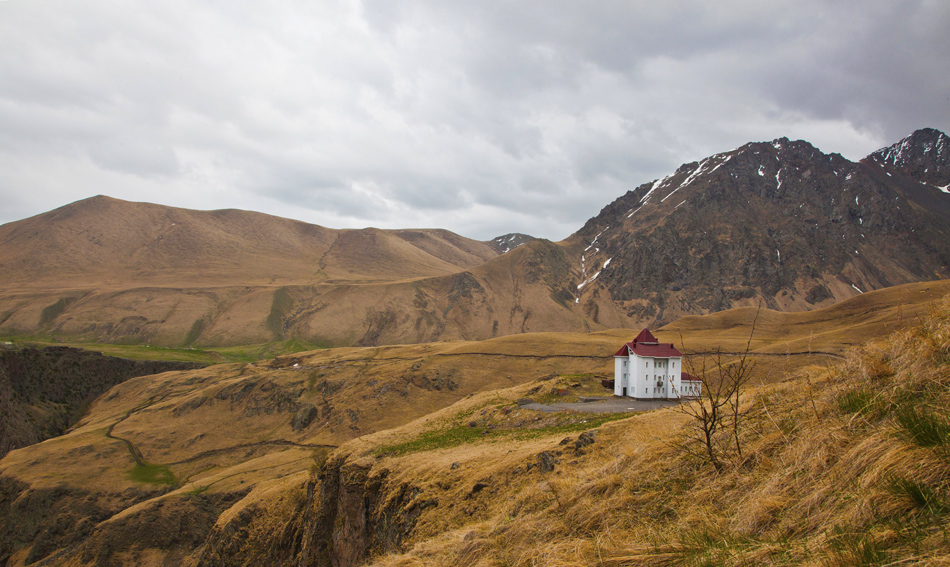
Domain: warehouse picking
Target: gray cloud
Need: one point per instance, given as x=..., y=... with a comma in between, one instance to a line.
x=481, y=118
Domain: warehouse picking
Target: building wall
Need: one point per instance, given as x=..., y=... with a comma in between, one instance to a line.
x=692, y=389
x=620, y=375
x=639, y=376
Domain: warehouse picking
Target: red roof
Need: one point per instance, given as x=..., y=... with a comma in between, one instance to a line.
x=687, y=377
x=647, y=345
x=645, y=336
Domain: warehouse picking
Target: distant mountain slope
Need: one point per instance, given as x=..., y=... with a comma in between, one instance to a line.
x=780, y=221
x=113, y=271
x=101, y=239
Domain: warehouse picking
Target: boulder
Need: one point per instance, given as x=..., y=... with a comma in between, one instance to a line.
x=303, y=417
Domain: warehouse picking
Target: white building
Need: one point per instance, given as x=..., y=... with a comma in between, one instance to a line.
x=647, y=369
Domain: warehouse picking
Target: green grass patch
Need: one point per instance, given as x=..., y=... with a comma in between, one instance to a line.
x=868, y=403
x=857, y=549
x=196, y=329
x=54, y=310
x=281, y=305
x=152, y=474
x=921, y=426
x=922, y=495
x=200, y=489
x=457, y=435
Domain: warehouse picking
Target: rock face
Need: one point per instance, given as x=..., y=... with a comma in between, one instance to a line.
x=922, y=156
x=779, y=222
x=355, y=511
x=45, y=390
x=60, y=523
x=304, y=417
x=509, y=242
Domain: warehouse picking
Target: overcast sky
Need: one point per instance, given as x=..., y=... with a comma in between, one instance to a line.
x=479, y=117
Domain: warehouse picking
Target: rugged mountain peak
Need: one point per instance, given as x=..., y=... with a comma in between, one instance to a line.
x=777, y=221
x=508, y=242
x=777, y=170
x=923, y=156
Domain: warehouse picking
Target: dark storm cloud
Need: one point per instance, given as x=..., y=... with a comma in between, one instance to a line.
x=482, y=118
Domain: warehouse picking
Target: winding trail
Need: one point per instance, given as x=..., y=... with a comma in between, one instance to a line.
x=277, y=443
x=133, y=450
x=140, y=460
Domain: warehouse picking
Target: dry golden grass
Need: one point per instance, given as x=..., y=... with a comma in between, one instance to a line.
x=832, y=474
x=632, y=497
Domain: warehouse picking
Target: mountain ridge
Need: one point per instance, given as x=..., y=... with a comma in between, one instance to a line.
x=778, y=223
x=111, y=238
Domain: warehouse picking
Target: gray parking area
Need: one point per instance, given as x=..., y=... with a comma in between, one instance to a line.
x=604, y=405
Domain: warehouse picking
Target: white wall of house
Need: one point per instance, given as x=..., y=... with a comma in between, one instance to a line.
x=621, y=364
x=648, y=377
x=691, y=388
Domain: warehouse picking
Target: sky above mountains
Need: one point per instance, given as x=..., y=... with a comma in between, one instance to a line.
x=479, y=117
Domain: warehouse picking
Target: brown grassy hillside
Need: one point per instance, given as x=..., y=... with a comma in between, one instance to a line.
x=522, y=291
x=231, y=447
x=849, y=466
x=109, y=271
x=103, y=242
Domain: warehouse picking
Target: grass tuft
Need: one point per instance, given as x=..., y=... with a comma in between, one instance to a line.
x=921, y=426
x=866, y=402
x=855, y=549
x=922, y=495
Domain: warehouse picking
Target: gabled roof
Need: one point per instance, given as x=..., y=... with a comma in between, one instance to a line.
x=647, y=345
x=645, y=336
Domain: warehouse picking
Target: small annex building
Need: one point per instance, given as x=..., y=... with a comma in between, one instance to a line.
x=647, y=369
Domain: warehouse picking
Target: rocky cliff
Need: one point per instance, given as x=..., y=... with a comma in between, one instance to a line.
x=45, y=390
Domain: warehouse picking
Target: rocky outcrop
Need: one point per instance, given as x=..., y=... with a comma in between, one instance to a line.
x=45, y=390
x=508, y=242
x=923, y=156
x=256, y=535
x=356, y=510
x=304, y=417
x=49, y=521
x=62, y=524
